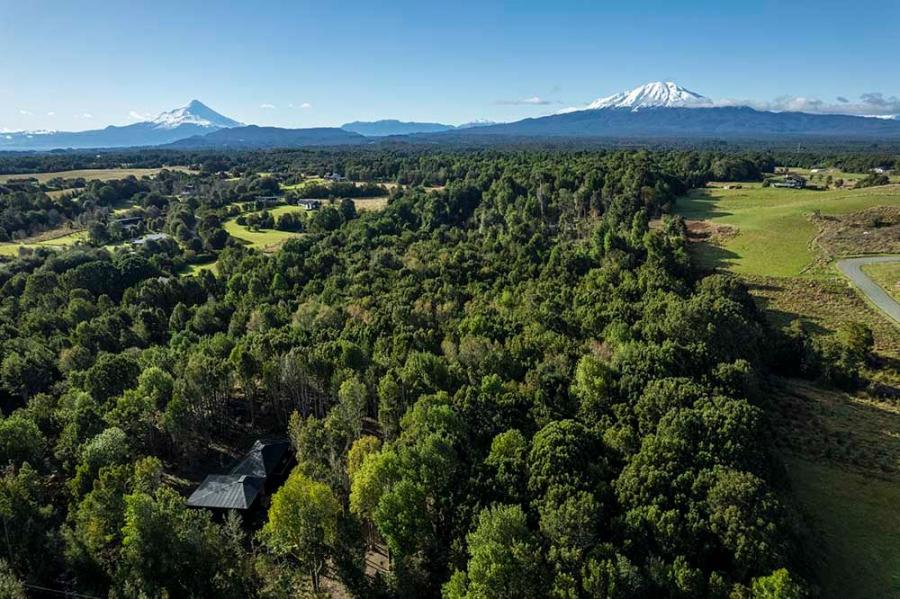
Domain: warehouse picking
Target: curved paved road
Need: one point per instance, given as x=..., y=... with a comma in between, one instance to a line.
x=878, y=296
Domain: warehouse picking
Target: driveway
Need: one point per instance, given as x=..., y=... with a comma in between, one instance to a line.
x=878, y=296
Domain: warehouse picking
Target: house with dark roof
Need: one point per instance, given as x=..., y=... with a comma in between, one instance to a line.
x=261, y=469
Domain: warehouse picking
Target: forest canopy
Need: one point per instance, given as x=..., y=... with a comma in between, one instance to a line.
x=510, y=382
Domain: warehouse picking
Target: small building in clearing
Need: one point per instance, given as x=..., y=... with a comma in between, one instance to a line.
x=310, y=204
x=791, y=182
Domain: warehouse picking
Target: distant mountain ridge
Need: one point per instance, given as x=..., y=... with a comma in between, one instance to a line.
x=251, y=136
x=391, y=127
x=388, y=127
x=193, y=119
x=656, y=110
x=735, y=122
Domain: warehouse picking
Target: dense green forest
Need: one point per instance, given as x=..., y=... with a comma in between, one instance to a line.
x=511, y=380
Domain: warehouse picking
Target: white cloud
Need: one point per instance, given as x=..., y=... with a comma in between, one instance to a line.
x=51, y=113
x=84, y=115
x=305, y=105
x=870, y=104
x=267, y=106
x=532, y=101
x=24, y=112
x=137, y=116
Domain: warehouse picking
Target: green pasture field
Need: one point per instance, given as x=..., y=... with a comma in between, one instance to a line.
x=774, y=232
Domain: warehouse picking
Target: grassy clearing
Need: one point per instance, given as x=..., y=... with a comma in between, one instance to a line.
x=370, y=204
x=856, y=519
x=194, y=269
x=59, y=239
x=99, y=174
x=317, y=180
x=887, y=275
x=267, y=240
x=774, y=231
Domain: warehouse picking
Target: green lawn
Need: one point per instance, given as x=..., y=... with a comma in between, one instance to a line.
x=887, y=275
x=774, y=232
x=267, y=240
x=858, y=522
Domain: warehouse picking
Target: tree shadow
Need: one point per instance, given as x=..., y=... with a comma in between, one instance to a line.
x=713, y=257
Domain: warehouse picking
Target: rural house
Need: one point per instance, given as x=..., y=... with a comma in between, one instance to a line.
x=791, y=182
x=310, y=204
x=262, y=468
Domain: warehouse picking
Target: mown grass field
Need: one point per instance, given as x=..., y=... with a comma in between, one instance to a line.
x=887, y=276
x=101, y=174
x=774, y=231
x=267, y=240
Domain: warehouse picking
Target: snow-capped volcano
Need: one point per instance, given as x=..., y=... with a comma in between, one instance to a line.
x=196, y=113
x=194, y=119
x=657, y=94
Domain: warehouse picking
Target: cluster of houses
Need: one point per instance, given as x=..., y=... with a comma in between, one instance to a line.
x=133, y=225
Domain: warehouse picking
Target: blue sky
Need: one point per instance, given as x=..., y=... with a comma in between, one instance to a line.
x=79, y=65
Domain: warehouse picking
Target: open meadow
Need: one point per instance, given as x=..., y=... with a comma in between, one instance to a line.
x=769, y=231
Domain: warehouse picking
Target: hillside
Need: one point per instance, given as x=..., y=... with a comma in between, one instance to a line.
x=252, y=136
x=734, y=122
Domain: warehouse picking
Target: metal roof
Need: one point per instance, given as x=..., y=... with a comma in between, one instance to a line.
x=239, y=488
x=262, y=457
x=226, y=491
